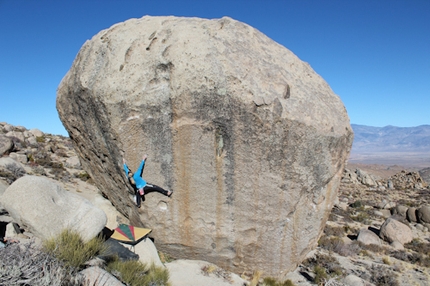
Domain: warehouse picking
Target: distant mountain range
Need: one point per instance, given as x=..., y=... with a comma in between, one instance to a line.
x=368, y=139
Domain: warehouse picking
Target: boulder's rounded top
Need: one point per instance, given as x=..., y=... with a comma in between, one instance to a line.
x=140, y=57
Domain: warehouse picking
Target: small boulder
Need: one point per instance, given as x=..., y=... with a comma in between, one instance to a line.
x=400, y=210
x=36, y=132
x=390, y=185
x=365, y=178
x=392, y=230
x=11, y=169
x=382, y=213
x=19, y=157
x=423, y=214
x=368, y=237
x=16, y=134
x=397, y=245
x=6, y=145
x=353, y=280
x=46, y=209
x=411, y=214
x=148, y=253
x=73, y=162
x=97, y=276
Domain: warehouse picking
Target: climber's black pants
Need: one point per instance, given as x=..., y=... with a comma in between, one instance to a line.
x=149, y=188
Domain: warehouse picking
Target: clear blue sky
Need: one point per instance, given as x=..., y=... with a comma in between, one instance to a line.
x=375, y=54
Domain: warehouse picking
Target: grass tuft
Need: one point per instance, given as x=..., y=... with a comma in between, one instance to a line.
x=270, y=281
x=69, y=247
x=134, y=273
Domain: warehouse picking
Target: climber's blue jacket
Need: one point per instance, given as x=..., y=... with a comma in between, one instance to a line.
x=137, y=176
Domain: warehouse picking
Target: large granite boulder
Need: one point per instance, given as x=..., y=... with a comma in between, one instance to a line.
x=250, y=138
x=45, y=209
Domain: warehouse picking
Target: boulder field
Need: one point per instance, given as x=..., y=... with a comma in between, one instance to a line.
x=250, y=138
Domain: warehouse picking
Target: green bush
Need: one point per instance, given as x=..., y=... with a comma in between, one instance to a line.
x=134, y=273
x=320, y=275
x=357, y=204
x=40, y=139
x=72, y=250
x=362, y=217
x=83, y=176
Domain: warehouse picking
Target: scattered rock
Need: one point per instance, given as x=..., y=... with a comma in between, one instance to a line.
x=423, y=214
x=425, y=175
x=96, y=276
x=22, y=158
x=46, y=209
x=392, y=230
x=73, y=162
x=400, y=210
x=6, y=145
x=36, y=132
x=368, y=237
x=397, y=245
x=365, y=178
x=191, y=272
x=353, y=280
x=411, y=214
x=408, y=180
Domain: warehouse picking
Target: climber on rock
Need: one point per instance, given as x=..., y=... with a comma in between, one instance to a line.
x=140, y=186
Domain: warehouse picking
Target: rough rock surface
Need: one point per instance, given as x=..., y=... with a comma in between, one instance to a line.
x=408, y=180
x=251, y=139
x=368, y=237
x=97, y=276
x=423, y=214
x=393, y=230
x=46, y=209
x=425, y=175
x=6, y=145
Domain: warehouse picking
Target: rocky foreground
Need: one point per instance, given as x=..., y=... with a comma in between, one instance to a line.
x=377, y=233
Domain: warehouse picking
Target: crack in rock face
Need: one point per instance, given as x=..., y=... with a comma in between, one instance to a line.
x=252, y=141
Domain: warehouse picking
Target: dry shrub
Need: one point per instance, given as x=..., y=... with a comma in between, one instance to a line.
x=11, y=172
x=255, y=278
x=324, y=267
x=373, y=248
x=420, y=253
x=338, y=231
x=164, y=257
x=340, y=214
x=413, y=257
x=217, y=271
x=26, y=264
x=382, y=276
x=419, y=246
x=337, y=245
